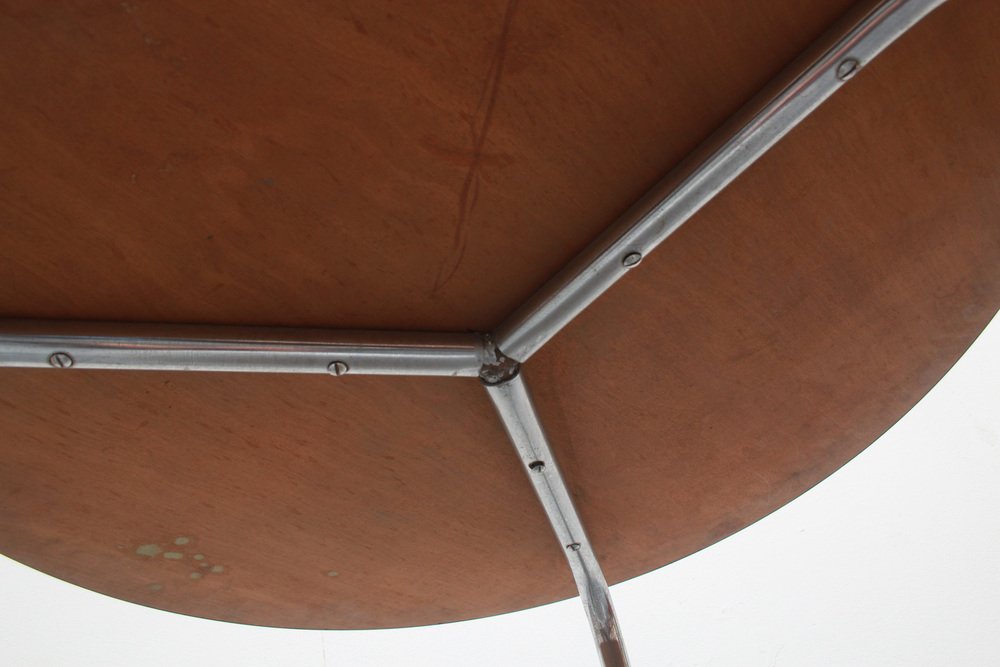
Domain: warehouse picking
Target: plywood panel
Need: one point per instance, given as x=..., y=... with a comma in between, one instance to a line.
x=365, y=165
x=799, y=315
x=367, y=502
x=427, y=167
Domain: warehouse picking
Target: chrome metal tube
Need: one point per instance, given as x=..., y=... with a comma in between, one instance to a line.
x=517, y=411
x=755, y=129
x=168, y=347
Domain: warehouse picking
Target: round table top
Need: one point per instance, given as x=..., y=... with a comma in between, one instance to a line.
x=415, y=166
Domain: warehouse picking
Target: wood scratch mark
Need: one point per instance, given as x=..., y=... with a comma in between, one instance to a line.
x=358, y=25
x=479, y=127
x=460, y=157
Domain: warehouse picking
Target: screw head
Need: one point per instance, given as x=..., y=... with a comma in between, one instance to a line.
x=537, y=466
x=631, y=259
x=848, y=68
x=338, y=368
x=60, y=360
x=573, y=547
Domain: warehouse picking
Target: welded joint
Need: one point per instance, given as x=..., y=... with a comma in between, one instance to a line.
x=498, y=368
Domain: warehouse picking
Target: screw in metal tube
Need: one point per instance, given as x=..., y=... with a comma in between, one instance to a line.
x=60, y=360
x=631, y=259
x=338, y=368
x=573, y=547
x=848, y=68
x=537, y=466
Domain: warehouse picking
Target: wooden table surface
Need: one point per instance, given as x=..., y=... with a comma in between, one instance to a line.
x=427, y=166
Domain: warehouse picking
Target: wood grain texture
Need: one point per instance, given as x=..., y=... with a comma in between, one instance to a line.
x=427, y=167
x=798, y=316
x=397, y=165
x=405, y=488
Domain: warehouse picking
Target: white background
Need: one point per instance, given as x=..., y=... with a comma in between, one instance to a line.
x=894, y=560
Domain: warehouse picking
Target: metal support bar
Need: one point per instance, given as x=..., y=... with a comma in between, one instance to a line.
x=513, y=403
x=170, y=347
x=737, y=145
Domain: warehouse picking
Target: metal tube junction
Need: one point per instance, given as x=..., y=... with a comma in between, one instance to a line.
x=747, y=136
x=513, y=403
x=170, y=347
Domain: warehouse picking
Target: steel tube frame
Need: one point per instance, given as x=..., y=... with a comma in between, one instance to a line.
x=496, y=358
x=723, y=157
x=171, y=347
x=517, y=412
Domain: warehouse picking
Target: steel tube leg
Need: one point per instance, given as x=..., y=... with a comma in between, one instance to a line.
x=788, y=100
x=513, y=403
x=176, y=347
